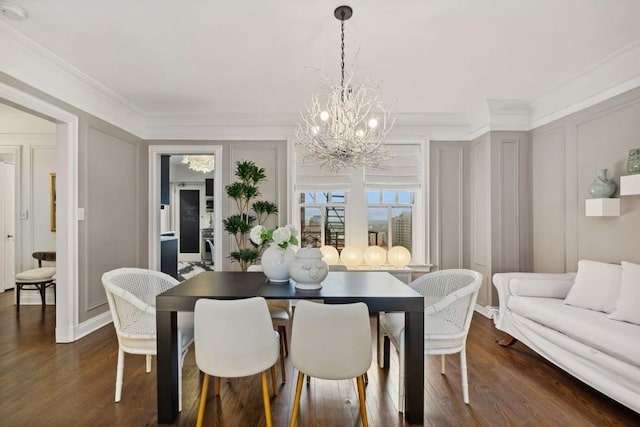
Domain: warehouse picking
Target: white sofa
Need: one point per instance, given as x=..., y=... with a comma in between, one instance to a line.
x=582, y=338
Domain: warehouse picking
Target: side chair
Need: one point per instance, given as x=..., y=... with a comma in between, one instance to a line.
x=131, y=293
x=235, y=338
x=331, y=342
x=37, y=279
x=281, y=314
x=449, y=300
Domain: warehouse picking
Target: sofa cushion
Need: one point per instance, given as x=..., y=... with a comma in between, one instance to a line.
x=618, y=339
x=628, y=305
x=545, y=288
x=596, y=287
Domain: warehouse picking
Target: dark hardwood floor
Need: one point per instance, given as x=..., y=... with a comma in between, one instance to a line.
x=48, y=384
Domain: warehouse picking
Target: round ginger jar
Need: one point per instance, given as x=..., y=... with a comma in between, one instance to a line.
x=308, y=269
x=275, y=263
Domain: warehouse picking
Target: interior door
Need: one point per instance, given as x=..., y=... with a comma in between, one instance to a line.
x=7, y=224
x=189, y=217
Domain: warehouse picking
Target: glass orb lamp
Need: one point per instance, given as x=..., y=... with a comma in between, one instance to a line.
x=375, y=256
x=330, y=255
x=351, y=256
x=399, y=256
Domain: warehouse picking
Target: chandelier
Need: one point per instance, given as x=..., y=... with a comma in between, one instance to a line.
x=347, y=126
x=199, y=163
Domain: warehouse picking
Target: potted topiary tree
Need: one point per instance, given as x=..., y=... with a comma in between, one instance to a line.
x=244, y=192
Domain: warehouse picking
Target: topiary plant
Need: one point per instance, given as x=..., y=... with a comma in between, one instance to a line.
x=250, y=212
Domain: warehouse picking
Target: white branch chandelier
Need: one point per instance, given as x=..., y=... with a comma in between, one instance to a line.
x=199, y=163
x=347, y=126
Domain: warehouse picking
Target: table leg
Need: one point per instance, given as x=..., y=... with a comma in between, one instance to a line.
x=167, y=366
x=414, y=367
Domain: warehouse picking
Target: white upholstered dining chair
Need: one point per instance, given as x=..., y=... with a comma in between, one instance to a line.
x=131, y=293
x=331, y=342
x=449, y=300
x=235, y=338
x=281, y=314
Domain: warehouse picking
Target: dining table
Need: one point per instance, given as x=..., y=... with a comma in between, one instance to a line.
x=379, y=290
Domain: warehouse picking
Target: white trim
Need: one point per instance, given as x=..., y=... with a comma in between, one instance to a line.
x=616, y=74
x=67, y=227
x=154, y=196
x=31, y=63
x=16, y=151
x=93, y=324
x=486, y=311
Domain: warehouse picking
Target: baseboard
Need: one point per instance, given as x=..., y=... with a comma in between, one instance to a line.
x=486, y=311
x=93, y=324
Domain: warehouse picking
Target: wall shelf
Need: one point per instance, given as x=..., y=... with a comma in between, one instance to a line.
x=602, y=207
x=630, y=185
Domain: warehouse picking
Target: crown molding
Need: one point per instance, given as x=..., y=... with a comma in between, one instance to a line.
x=32, y=64
x=616, y=74
x=280, y=126
x=27, y=61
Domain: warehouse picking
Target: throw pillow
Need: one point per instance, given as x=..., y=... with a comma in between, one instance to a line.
x=596, y=287
x=628, y=306
x=543, y=288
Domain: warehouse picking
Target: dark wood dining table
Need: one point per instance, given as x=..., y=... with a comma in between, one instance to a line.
x=379, y=290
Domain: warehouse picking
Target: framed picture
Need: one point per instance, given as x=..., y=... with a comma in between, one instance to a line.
x=52, y=200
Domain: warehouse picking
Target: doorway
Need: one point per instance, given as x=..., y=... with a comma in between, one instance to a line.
x=66, y=236
x=213, y=221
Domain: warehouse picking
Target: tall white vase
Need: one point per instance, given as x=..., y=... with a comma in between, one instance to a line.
x=275, y=263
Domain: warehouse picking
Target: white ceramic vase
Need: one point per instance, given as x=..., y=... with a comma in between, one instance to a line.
x=275, y=263
x=308, y=269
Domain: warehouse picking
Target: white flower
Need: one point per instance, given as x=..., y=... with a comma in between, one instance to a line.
x=292, y=229
x=281, y=235
x=256, y=234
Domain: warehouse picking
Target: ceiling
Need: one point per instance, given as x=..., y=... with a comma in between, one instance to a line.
x=259, y=57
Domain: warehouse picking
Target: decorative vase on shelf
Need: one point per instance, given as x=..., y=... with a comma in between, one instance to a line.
x=602, y=187
x=308, y=269
x=633, y=162
x=275, y=263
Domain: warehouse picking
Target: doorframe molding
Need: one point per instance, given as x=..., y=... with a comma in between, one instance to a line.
x=67, y=327
x=155, y=151
x=16, y=151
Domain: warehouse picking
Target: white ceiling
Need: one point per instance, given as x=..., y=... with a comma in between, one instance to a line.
x=257, y=57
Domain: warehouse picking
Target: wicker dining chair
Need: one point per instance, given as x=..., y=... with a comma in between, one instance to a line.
x=131, y=293
x=449, y=300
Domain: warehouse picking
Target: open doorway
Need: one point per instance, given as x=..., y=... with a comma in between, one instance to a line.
x=27, y=211
x=184, y=197
x=64, y=153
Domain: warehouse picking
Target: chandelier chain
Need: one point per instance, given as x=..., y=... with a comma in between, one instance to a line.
x=342, y=52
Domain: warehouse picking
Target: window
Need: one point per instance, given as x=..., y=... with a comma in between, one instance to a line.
x=361, y=207
x=322, y=219
x=390, y=218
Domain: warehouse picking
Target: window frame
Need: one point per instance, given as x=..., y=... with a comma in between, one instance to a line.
x=356, y=203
